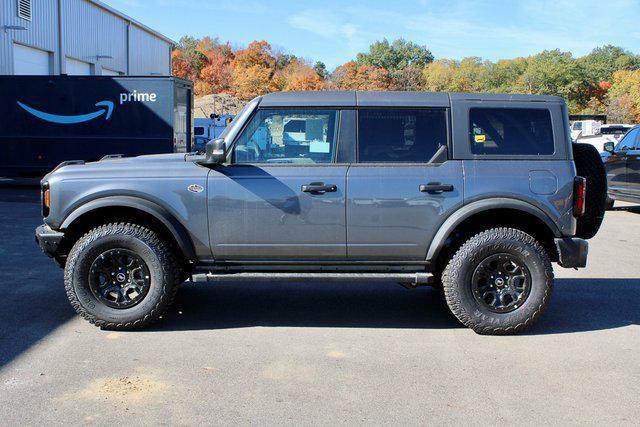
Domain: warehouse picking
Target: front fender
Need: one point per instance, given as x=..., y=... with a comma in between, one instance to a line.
x=161, y=214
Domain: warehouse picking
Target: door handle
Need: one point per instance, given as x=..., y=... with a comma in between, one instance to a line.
x=319, y=188
x=435, y=188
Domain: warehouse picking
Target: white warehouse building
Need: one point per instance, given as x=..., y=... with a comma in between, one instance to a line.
x=77, y=37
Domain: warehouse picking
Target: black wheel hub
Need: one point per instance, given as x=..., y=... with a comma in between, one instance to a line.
x=501, y=283
x=119, y=278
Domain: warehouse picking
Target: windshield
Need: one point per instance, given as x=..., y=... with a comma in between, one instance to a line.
x=619, y=130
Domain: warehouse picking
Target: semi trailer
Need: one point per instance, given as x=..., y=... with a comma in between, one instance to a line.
x=50, y=119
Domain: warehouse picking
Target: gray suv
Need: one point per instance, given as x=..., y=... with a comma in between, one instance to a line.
x=475, y=194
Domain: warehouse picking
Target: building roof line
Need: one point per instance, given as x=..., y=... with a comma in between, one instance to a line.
x=132, y=21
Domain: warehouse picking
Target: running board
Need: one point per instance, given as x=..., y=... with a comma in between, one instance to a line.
x=414, y=279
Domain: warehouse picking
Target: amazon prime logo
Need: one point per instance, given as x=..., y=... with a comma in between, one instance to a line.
x=107, y=110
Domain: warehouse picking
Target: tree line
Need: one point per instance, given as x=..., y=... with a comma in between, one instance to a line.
x=606, y=81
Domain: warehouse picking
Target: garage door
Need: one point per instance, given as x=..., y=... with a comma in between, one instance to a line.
x=30, y=61
x=78, y=68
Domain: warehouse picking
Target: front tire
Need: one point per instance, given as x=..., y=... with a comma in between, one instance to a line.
x=499, y=282
x=121, y=276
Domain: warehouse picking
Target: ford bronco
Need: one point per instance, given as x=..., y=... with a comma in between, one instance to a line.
x=476, y=194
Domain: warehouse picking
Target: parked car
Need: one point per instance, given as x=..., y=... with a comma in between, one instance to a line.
x=623, y=168
x=609, y=132
x=474, y=193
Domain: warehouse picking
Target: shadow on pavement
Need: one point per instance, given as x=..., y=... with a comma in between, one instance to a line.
x=633, y=209
x=577, y=305
x=582, y=305
x=33, y=299
x=343, y=305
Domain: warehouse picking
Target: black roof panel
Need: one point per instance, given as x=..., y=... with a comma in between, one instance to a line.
x=389, y=98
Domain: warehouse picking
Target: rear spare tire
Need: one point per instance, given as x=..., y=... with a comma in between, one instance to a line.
x=589, y=165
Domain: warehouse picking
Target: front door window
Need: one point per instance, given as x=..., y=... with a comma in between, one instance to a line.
x=289, y=137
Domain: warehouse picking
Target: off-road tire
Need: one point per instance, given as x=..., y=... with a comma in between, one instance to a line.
x=589, y=165
x=457, y=276
x=162, y=264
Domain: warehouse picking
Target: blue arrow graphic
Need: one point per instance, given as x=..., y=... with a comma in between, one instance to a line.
x=68, y=120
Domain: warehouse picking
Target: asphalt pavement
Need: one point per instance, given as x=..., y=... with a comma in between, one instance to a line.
x=335, y=353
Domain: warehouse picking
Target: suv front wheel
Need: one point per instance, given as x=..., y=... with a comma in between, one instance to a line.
x=498, y=282
x=121, y=276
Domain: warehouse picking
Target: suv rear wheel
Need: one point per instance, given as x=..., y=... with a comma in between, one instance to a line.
x=498, y=282
x=121, y=276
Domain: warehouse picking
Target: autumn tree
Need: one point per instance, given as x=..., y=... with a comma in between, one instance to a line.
x=467, y=75
x=623, y=98
x=217, y=75
x=253, y=70
x=187, y=60
x=352, y=76
x=299, y=75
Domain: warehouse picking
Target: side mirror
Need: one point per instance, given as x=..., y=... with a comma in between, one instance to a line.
x=215, y=152
x=608, y=146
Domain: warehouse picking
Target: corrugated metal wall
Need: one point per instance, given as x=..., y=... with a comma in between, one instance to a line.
x=148, y=54
x=42, y=30
x=88, y=32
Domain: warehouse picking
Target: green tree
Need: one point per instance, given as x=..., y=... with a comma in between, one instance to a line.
x=503, y=76
x=553, y=72
x=395, y=56
x=603, y=61
x=320, y=69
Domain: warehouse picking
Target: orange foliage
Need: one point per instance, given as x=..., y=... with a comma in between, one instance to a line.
x=352, y=76
x=300, y=76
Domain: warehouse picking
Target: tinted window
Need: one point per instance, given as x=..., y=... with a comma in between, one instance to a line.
x=288, y=136
x=628, y=141
x=400, y=135
x=511, y=131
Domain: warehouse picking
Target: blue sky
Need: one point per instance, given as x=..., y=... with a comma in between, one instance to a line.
x=334, y=31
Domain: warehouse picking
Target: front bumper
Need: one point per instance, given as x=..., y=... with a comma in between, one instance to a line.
x=572, y=252
x=48, y=240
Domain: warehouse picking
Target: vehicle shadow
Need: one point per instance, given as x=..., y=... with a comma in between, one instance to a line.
x=577, y=305
x=582, y=305
x=633, y=209
x=334, y=304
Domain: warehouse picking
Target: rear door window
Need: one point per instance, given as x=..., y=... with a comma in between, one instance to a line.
x=511, y=131
x=400, y=135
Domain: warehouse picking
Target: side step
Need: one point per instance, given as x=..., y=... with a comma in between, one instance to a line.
x=414, y=279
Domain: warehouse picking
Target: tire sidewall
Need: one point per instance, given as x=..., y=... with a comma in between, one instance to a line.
x=91, y=250
x=540, y=283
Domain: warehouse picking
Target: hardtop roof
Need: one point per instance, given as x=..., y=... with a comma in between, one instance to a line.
x=389, y=98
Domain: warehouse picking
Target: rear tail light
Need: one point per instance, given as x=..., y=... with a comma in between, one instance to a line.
x=46, y=199
x=579, y=195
